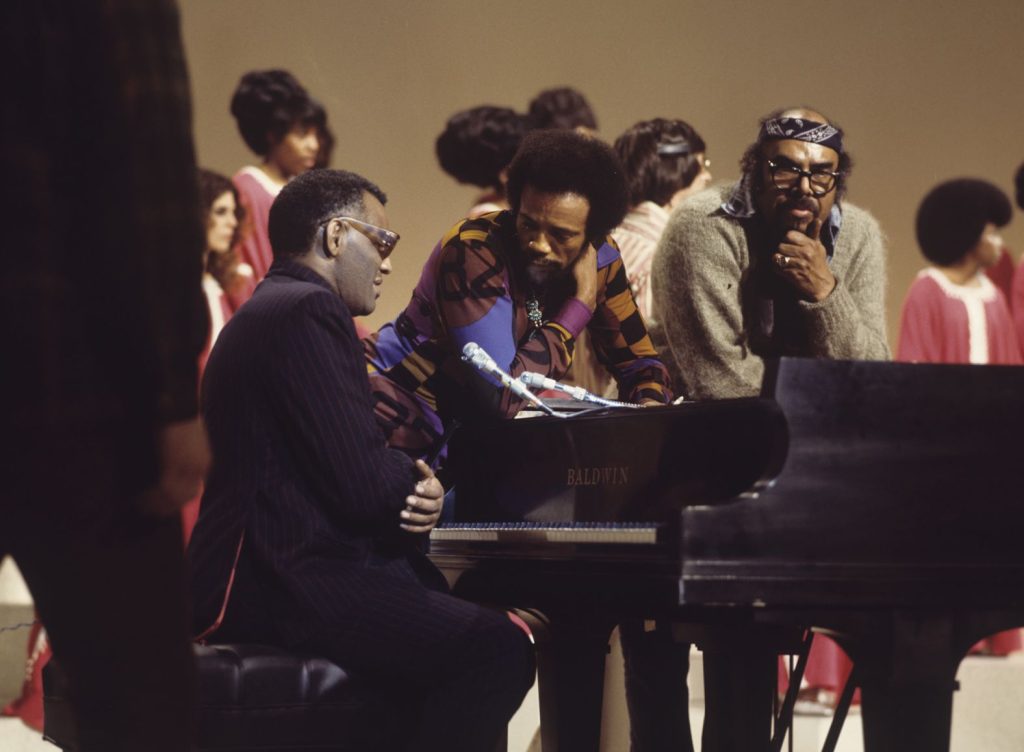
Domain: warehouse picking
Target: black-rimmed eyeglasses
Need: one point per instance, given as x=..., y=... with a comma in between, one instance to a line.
x=384, y=240
x=787, y=176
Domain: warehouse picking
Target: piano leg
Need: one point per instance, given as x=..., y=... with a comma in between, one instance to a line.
x=571, y=652
x=740, y=680
x=907, y=675
x=739, y=687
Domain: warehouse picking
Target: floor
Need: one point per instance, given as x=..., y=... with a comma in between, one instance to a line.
x=986, y=711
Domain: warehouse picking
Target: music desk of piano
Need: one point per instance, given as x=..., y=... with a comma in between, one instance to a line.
x=879, y=501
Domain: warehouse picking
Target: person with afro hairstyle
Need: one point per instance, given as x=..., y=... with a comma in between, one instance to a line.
x=562, y=108
x=283, y=125
x=523, y=284
x=476, y=147
x=953, y=313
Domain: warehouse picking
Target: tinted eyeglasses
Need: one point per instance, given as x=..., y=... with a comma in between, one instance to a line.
x=788, y=176
x=384, y=240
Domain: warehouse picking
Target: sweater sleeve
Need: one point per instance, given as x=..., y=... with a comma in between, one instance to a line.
x=696, y=284
x=850, y=322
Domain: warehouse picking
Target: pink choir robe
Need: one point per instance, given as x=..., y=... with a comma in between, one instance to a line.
x=1017, y=303
x=947, y=323
x=242, y=287
x=256, y=192
x=220, y=309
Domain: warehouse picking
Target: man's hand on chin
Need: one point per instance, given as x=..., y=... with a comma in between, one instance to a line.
x=423, y=507
x=801, y=260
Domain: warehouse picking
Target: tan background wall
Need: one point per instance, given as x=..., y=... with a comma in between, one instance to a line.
x=927, y=89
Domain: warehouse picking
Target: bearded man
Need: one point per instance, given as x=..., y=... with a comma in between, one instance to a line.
x=522, y=284
x=775, y=265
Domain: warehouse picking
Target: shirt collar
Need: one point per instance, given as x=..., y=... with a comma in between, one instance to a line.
x=286, y=267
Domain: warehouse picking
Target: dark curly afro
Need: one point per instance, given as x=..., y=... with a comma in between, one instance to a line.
x=952, y=218
x=555, y=161
x=477, y=144
x=269, y=103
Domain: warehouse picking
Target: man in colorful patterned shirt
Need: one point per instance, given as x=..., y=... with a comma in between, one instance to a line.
x=522, y=284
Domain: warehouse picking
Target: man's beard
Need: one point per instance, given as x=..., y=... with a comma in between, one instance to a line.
x=786, y=222
x=543, y=277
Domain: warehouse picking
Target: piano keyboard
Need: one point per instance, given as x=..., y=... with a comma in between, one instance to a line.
x=639, y=533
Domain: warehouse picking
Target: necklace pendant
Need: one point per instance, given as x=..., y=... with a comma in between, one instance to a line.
x=533, y=313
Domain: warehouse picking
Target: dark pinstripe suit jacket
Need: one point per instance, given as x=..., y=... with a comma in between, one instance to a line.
x=299, y=462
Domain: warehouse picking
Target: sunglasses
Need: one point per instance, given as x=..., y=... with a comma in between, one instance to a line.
x=384, y=240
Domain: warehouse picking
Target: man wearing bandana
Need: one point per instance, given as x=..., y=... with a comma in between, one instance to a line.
x=775, y=265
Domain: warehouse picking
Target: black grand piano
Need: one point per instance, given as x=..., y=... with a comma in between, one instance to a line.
x=878, y=501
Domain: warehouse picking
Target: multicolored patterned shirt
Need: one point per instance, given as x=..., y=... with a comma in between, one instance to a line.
x=472, y=289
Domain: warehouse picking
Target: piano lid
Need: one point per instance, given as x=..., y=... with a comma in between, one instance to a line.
x=616, y=465
x=902, y=484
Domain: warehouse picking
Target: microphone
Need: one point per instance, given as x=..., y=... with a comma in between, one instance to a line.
x=477, y=357
x=540, y=381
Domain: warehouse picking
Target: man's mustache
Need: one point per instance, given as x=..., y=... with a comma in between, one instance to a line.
x=804, y=203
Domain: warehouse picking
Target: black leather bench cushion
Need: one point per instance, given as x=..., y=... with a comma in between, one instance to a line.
x=255, y=697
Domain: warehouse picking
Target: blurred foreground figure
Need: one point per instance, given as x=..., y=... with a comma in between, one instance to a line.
x=101, y=302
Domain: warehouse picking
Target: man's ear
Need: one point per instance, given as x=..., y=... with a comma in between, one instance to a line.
x=334, y=239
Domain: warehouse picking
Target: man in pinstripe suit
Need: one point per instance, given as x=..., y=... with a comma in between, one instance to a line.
x=320, y=523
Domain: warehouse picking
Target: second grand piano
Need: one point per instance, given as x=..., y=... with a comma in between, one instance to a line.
x=880, y=501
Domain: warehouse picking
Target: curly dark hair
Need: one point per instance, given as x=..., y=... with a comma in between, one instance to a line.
x=269, y=103
x=567, y=162
x=563, y=108
x=750, y=162
x=953, y=215
x=309, y=200
x=653, y=176
x=223, y=266
x=478, y=143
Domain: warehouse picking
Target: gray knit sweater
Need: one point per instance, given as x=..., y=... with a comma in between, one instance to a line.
x=723, y=311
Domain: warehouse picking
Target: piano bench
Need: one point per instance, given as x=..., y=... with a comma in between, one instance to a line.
x=258, y=698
